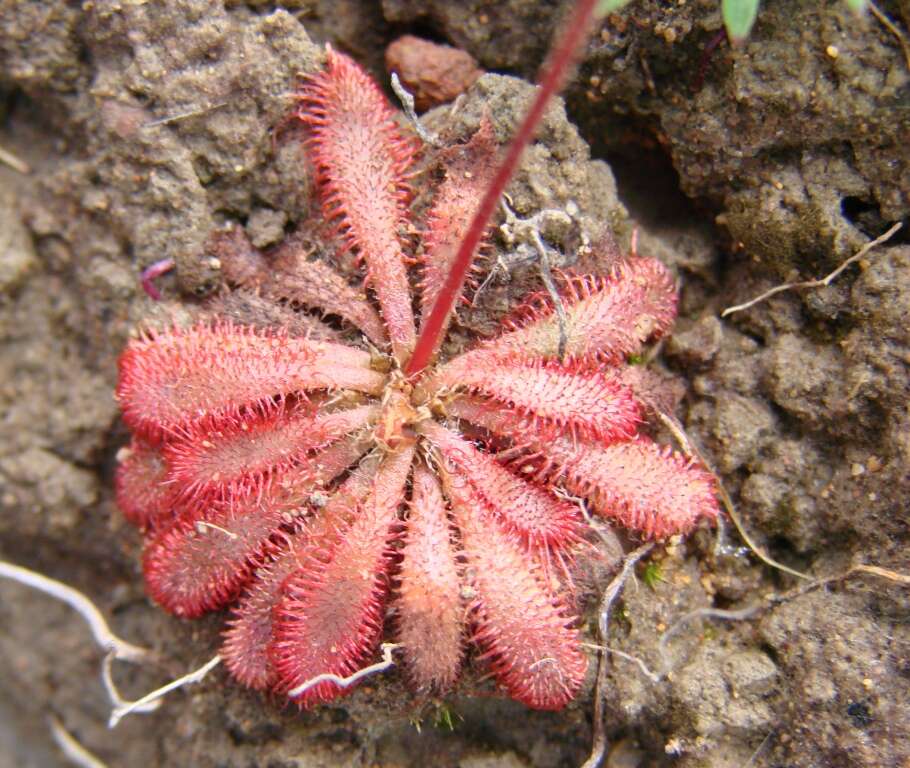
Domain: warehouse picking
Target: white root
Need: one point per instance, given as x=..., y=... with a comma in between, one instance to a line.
x=113, y=694
x=516, y=230
x=120, y=648
x=892, y=28
x=197, y=112
x=72, y=750
x=344, y=682
x=654, y=677
x=743, y=614
x=115, y=647
x=701, y=613
x=142, y=705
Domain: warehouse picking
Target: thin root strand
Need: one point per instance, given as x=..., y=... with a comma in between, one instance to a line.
x=599, y=741
x=72, y=750
x=345, y=682
x=820, y=283
x=142, y=705
x=121, y=649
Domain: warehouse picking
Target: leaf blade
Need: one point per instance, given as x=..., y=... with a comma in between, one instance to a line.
x=738, y=16
x=609, y=6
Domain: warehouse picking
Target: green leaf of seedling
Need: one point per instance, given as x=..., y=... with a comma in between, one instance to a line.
x=446, y=718
x=739, y=16
x=857, y=6
x=608, y=6
x=653, y=574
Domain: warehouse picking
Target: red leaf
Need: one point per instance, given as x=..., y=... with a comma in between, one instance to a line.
x=216, y=460
x=557, y=398
x=468, y=171
x=331, y=613
x=542, y=521
x=362, y=161
x=182, y=376
x=641, y=485
x=525, y=629
x=313, y=283
x=204, y=560
x=249, y=632
x=607, y=318
x=430, y=614
x=289, y=275
x=142, y=494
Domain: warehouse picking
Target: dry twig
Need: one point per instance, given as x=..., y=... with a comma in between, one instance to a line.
x=14, y=161
x=744, y=534
x=691, y=451
x=892, y=28
x=407, y=102
x=885, y=573
x=826, y=280
x=196, y=112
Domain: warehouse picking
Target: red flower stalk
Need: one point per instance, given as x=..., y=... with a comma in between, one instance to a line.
x=555, y=69
x=317, y=479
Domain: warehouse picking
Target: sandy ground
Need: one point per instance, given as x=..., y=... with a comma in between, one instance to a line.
x=741, y=168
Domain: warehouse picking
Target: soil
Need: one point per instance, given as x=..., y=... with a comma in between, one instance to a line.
x=148, y=125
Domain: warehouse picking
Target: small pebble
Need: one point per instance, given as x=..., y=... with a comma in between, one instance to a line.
x=433, y=73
